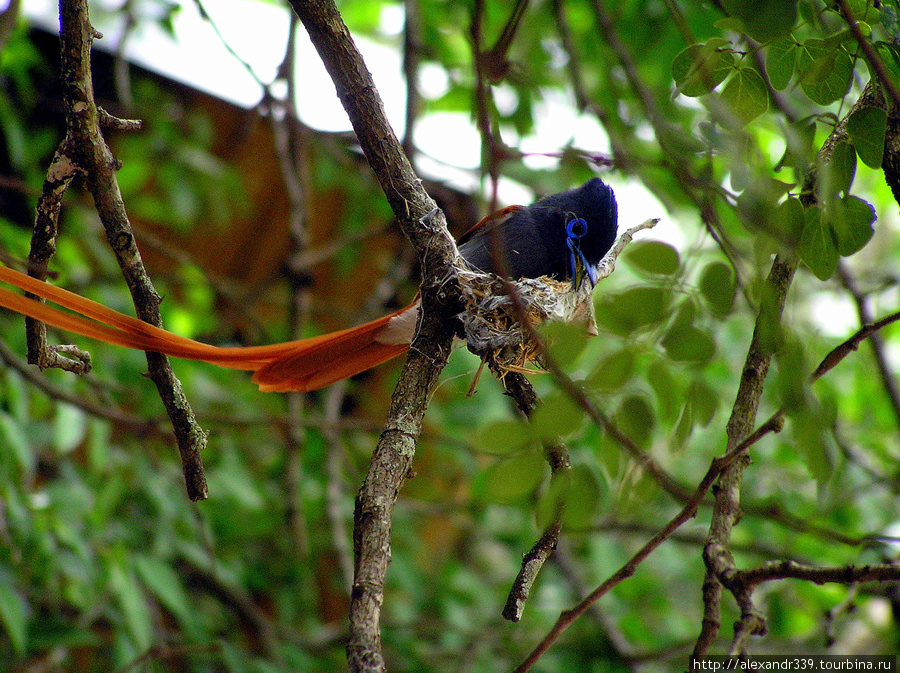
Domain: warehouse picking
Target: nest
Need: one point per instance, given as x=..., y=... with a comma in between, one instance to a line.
x=490, y=316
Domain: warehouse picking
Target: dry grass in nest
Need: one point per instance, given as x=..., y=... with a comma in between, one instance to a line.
x=490, y=316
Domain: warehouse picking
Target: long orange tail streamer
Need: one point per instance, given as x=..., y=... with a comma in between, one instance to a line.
x=302, y=365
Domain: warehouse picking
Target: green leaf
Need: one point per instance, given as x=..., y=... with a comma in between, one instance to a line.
x=818, y=249
x=653, y=257
x=791, y=380
x=689, y=344
x=613, y=372
x=864, y=10
x=705, y=402
x=890, y=20
x=746, y=97
x=851, y=220
x=565, y=341
x=718, y=287
x=638, y=307
x=666, y=389
x=685, y=425
x=781, y=61
x=700, y=68
x=165, y=584
x=788, y=221
x=502, y=437
x=836, y=175
x=810, y=434
x=69, y=428
x=635, y=418
x=132, y=603
x=511, y=479
x=575, y=493
x=826, y=72
x=15, y=442
x=557, y=416
x=585, y=493
x=890, y=57
x=552, y=503
x=867, y=127
x=799, y=138
x=12, y=613
x=764, y=20
x=685, y=314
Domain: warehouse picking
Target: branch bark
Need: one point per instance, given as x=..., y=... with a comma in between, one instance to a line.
x=85, y=149
x=426, y=229
x=720, y=564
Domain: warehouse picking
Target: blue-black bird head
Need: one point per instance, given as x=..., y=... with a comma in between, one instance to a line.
x=563, y=235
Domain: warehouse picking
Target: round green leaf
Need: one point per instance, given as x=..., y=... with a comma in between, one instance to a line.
x=653, y=257
x=746, y=97
x=826, y=71
x=788, y=221
x=633, y=309
x=764, y=20
x=867, y=127
x=689, y=344
x=717, y=285
x=700, y=68
x=851, y=220
x=613, y=372
x=817, y=248
x=666, y=389
x=635, y=418
x=565, y=341
x=781, y=61
x=584, y=496
x=685, y=314
x=557, y=416
x=575, y=494
x=510, y=479
x=705, y=401
x=836, y=175
x=552, y=503
x=502, y=437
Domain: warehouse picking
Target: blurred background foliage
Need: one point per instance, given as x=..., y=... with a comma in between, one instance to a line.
x=716, y=109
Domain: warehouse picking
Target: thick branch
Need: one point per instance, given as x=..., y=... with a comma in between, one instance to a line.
x=726, y=511
x=426, y=229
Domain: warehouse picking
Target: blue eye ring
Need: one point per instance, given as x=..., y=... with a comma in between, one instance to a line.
x=571, y=230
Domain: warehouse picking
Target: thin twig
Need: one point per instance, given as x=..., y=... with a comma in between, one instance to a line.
x=521, y=390
x=888, y=380
x=688, y=512
x=872, y=56
x=88, y=150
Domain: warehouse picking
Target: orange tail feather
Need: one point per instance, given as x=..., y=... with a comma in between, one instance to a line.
x=302, y=365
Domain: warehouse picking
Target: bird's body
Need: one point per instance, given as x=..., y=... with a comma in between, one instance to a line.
x=563, y=236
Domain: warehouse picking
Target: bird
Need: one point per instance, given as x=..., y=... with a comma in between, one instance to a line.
x=562, y=236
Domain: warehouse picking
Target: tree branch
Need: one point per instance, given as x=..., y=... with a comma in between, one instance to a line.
x=85, y=148
x=426, y=229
